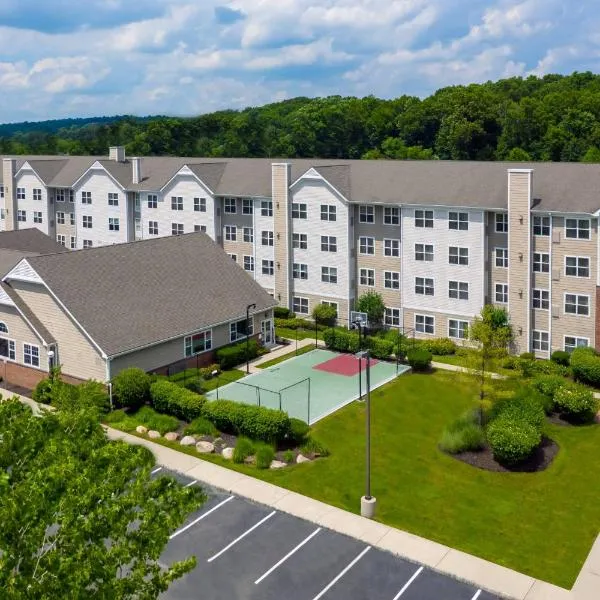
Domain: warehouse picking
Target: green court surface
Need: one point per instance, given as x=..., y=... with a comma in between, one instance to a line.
x=303, y=391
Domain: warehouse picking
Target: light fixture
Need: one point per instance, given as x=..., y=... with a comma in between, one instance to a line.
x=521, y=219
x=278, y=235
x=520, y=293
x=278, y=266
x=521, y=256
x=520, y=331
x=277, y=205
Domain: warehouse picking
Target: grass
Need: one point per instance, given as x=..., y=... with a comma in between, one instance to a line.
x=303, y=334
x=287, y=356
x=208, y=384
x=144, y=416
x=462, y=361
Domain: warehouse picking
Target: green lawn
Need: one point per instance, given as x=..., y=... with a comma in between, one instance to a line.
x=303, y=334
x=455, y=359
x=209, y=384
x=283, y=357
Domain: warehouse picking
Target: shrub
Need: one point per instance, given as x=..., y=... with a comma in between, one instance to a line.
x=43, y=391
x=93, y=392
x=288, y=456
x=243, y=449
x=527, y=356
x=380, y=348
x=467, y=437
x=131, y=388
x=576, y=402
x=152, y=420
x=419, y=359
x=231, y=356
x=207, y=372
x=548, y=384
x=512, y=441
x=586, y=366
x=560, y=357
x=325, y=314
x=525, y=406
x=172, y=399
x=341, y=340
x=314, y=447
x=200, y=426
x=440, y=346
x=511, y=362
x=264, y=456
x=298, y=431
x=281, y=312
x=195, y=386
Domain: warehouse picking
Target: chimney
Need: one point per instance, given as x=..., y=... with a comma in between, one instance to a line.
x=136, y=169
x=10, y=194
x=117, y=153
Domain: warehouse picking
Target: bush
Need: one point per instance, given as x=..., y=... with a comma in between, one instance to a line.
x=153, y=420
x=207, y=372
x=172, y=399
x=325, y=314
x=194, y=386
x=43, y=391
x=243, y=449
x=511, y=362
x=462, y=439
x=200, y=426
x=525, y=406
x=298, y=431
x=341, y=340
x=440, y=346
x=560, y=357
x=419, y=359
x=93, y=392
x=314, y=447
x=264, y=456
x=231, y=356
x=586, y=366
x=548, y=384
x=288, y=456
x=512, y=441
x=131, y=388
x=576, y=402
x=281, y=312
x=527, y=356
x=380, y=348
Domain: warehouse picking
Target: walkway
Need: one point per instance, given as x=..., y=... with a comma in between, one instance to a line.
x=282, y=351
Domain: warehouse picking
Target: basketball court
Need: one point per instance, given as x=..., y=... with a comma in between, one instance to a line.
x=310, y=386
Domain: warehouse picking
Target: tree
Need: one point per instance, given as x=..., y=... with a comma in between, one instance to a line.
x=323, y=314
x=131, y=387
x=518, y=155
x=81, y=515
x=372, y=304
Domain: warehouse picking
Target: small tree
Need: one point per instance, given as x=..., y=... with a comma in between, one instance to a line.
x=323, y=314
x=131, y=387
x=372, y=304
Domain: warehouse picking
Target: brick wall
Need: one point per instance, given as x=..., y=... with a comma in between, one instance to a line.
x=26, y=377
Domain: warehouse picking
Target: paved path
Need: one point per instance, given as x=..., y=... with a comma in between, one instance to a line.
x=282, y=351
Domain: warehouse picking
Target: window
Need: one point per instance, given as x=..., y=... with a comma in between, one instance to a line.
x=366, y=214
x=328, y=243
x=247, y=206
x=329, y=274
x=176, y=228
x=71, y=196
x=458, y=329
x=7, y=349
x=21, y=216
x=248, y=263
x=392, y=317
x=176, y=203
x=153, y=227
x=424, y=252
x=459, y=290
x=328, y=212
x=239, y=329
x=87, y=243
x=572, y=342
x=233, y=257
x=577, y=229
x=87, y=221
x=113, y=224
x=391, y=215
x=21, y=194
x=248, y=234
x=267, y=267
x=1, y=191
x=541, y=226
x=60, y=218
x=73, y=241
x=458, y=256
x=199, y=204
x=37, y=194
x=60, y=195
x=424, y=324
x=113, y=199
x=266, y=208
x=424, y=286
x=541, y=262
x=424, y=218
x=391, y=280
x=37, y=216
x=541, y=341
x=299, y=241
x=458, y=220
x=266, y=238
x=541, y=299
x=577, y=266
x=299, y=271
x=576, y=304
x=298, y=211
x=2, y=213
x=300, y=305
x=152, y=201
x=230, y=233
x=501, y=223
x=198, y=228
x=31, y=355
x=72, y=218
x=61, y=239
x=367, y=277
x=366, y=245
x=86, y=198
x=199, y=342
x=501, y=257
x=391, y=247
x=501, y=293
x=230, y=205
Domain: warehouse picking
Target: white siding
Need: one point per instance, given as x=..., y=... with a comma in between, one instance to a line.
x=28, y=179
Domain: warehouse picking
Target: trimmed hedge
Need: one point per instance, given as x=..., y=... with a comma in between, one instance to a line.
x=419, y=359
x=439, y=346
x=530, y=368
x=234, y=355
x=512, y=441
x=281, y=312
x=172, y=399
x=576, y=402
x=380, y=347
x=526, y=406
x=586, y=366
x=341, y=340
x=561, y=357
x=299, y=431
x=131, y=388
x=547, y=385
x=296, y=323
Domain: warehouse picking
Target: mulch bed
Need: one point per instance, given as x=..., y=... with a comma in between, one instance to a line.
x=540, y=460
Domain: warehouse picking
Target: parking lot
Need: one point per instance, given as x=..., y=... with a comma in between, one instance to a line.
x=249, y=551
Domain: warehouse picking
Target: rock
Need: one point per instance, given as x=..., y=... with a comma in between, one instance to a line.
x=277, y=464
x=141, y=429
x=218, y=440
x=250, y=460
x=302, y=459
x=227, y=453
x=153, y=435
x=171, y=436
x=188, y=440
x=597, y=417
x=205, y=447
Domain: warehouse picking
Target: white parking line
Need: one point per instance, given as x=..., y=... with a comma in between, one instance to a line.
x=155, y=471
x=338, y=577
x=191, y=483
x=408, y=583
x=241, y=537
x=290, y=553
x=477, y=593
x=208, y=512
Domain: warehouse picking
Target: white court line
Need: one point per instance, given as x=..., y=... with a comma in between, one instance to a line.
x=241, y=537
x=338, y=577
x=201, y=517
x=156, y=471
x=477, y=593
x=408, y=583
x=290, y=553
x=191, y=483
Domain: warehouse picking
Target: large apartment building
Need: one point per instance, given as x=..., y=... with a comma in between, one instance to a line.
x=437, y=239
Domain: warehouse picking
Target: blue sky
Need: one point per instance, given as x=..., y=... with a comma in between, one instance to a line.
x=68, y=58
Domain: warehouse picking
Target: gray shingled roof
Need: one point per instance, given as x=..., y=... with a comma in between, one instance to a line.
x=29, y=240
x=127, y=296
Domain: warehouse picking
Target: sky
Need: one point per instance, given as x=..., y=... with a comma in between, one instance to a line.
x=78, y=58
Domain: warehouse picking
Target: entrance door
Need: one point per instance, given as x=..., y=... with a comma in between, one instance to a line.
x=266, y=330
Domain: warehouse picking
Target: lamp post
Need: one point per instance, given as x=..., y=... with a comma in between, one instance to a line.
x=248, y=337
x=358, y=325
x=215, y=374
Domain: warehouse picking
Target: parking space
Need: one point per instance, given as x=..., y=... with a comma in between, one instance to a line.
x=250, y=551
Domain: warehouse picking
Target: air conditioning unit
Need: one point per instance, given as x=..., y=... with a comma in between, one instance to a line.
x=555, y=311
x=555, y=274
x=555, y=236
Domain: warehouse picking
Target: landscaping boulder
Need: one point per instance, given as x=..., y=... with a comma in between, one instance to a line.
x=205, y=447
x=188, y=440
x=227, y=453
x=171, y=436
x=141, y=429
x=302, y=459
x=153, y=435
x=277, y=464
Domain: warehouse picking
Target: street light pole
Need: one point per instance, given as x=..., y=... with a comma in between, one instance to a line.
x=368, y=502
x=248, y=337
x=358, y=325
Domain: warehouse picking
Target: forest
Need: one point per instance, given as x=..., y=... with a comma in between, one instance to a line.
x=552, y=118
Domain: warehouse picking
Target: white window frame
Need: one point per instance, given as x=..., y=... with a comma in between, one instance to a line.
x=576, y=304
x=421, y=250
x=199, y=204
x=328, y=212
x=268, y=267
x=391, y=247
x=576, y=339
x=199, y=228
x=424, y=219
x=21, y=216
x=86, y=197
x=504, y=292
x=329, y=274
x=152, y=227
x=501, y=222
x=11, y=347
x=298, y=303
x=230, y=233
x=541, y=225
x=266, y=208
x=462, y=260
x=391, y=280
x=366, y=245
x=366, y=213
x=248, y=235
x=300, y=241
x=544, y=265
x=267, y=238
x=22, y=195
x=230, y=206
x=391, y=215
x=73, y=242
x=537, y=297
x=328, y=243
x=458, y=221
x=537, y=340
x=458, y=289
x=37, y=194
x=368, y=275
x=114, y=224
x=235, y=335
x=188, y=343
x=87, y=221
x=113, y=199
x=247, y=206
x=460, y=327
x=392, y=317
x=577, y=267
x=177, y=228
x=61, y=239
x=151, y=201
x=31, y=355
x=249, y=263
x=501, y=258
x=88, y=243
x=38, y=216
x=60, y=218
x=578, y=228
x=300, y=271
x=299, y=210
x=424, y=283
x=425, y=325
